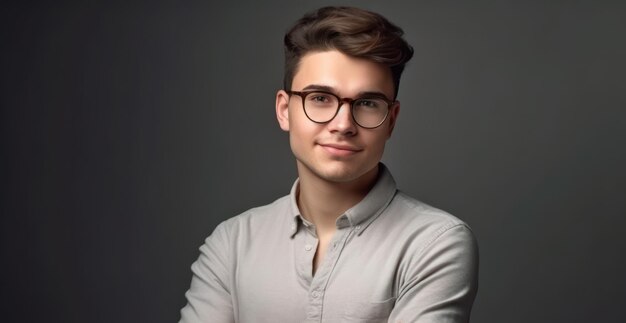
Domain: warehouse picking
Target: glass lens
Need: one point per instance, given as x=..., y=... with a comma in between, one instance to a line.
x=369, y=112
x=320, y=106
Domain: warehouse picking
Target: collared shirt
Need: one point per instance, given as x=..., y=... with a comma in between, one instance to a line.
x=392, y=258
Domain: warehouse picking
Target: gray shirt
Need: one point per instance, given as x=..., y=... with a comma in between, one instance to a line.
x=392, y=258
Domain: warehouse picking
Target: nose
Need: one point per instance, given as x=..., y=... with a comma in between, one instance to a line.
x=343, y=122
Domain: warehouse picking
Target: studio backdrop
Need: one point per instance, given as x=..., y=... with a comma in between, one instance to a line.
x=129, y=130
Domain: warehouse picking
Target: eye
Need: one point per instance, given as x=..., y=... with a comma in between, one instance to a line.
x=370, y=103
x=320, y=98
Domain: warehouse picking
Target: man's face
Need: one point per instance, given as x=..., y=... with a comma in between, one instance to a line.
x=340, y=150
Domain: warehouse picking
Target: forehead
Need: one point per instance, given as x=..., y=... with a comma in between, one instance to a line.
x=347, y=75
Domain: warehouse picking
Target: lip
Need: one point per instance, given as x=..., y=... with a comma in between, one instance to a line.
x=340, y=150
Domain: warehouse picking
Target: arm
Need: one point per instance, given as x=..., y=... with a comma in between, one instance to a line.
x=208, y=297
x=441, y=281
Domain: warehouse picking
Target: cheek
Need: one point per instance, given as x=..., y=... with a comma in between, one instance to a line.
x=301, y=133
x=301, y=126
x=296, y=120
x=378, y=143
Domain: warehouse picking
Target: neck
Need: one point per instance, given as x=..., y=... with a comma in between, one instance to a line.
x=322, y=201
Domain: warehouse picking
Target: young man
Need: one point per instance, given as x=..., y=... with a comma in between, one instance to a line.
x=345, y=245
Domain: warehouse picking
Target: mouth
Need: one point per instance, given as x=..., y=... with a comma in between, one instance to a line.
x=340, y=150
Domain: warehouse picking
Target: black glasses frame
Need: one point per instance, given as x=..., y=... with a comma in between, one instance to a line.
x=340, y=102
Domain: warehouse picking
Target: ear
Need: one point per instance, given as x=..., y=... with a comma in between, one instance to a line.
x=394, y=110
x=282, y=109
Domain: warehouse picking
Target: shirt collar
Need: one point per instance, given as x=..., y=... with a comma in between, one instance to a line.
x=295, y=211
x=360, y=215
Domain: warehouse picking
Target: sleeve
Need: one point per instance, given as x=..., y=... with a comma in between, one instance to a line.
x=209, y=297
x=440, y=283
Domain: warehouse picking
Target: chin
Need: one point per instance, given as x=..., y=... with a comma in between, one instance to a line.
x=337, y=177
x=341, y=173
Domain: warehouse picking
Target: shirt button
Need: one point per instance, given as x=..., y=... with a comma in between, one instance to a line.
x=316, y=294
x=358, y=227
x=308, y=247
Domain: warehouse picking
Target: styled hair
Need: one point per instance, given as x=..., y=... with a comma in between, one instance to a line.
x=352, y=31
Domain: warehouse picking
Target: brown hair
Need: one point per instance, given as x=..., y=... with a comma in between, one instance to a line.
x=352, y=31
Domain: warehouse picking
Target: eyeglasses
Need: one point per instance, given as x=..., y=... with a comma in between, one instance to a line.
x=321, y=107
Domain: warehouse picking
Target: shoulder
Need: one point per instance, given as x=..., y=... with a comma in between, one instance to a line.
x=409, y=209
x=423, y=225
x=429, y=238
x=257, y=218
x=438, y=263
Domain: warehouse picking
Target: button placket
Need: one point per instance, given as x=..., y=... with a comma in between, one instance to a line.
x=318, y=286
x=304, y=245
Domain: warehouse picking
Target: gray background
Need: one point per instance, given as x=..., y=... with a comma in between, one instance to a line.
x=129, y=130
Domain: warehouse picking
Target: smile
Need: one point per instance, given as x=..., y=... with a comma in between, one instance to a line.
x=340, y=150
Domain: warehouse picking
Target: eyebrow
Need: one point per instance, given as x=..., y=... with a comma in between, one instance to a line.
x=326, y=88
